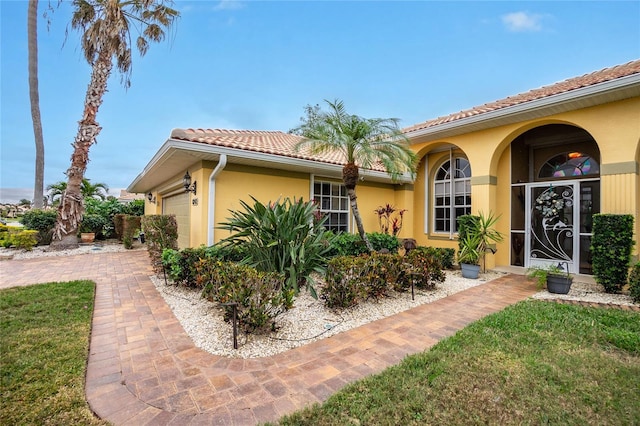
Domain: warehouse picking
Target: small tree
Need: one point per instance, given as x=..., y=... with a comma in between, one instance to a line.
x=363, y=142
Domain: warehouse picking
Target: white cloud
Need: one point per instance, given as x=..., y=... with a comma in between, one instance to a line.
x=229, y=5
x=522, y=22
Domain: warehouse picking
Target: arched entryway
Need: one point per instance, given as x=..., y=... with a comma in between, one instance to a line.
x=555, y=191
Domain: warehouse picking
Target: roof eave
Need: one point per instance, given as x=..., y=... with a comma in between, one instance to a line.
x=199, y=151
x=596, y=94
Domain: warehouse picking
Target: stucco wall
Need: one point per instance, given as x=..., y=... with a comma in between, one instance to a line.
x=614, y=126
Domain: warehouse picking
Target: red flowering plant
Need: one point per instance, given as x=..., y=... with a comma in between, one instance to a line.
x=388, y=221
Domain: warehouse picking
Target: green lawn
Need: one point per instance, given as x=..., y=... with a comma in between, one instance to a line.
x=44, y=345
x=533, y=363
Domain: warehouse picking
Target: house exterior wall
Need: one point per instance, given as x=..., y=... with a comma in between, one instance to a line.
x=614, y=126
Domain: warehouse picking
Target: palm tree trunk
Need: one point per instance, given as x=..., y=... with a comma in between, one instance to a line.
x=351, y=192
x=71, y=206
x=34, y=96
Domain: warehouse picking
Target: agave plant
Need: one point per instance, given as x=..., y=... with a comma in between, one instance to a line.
x=284, y=236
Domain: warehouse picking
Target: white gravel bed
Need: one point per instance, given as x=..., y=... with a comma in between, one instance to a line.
x=587, y=292
x=98, y=247
x=307, y=321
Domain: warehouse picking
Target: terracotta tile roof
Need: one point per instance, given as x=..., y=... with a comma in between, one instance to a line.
x=266, y=142
x=574, y=83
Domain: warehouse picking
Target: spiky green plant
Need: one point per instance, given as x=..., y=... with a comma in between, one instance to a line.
x=283, y=236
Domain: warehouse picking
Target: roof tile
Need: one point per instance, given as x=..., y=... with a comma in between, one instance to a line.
x=574, y=83
x=267, y=142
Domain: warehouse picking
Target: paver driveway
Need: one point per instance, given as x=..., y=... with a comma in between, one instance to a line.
x=144, y=369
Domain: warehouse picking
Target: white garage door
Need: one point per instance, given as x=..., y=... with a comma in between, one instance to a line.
x=178, y=205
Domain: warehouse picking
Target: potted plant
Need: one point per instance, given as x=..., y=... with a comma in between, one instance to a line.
x=91, y=226
x=554, y=277
x=478, y=238
x=469, y=256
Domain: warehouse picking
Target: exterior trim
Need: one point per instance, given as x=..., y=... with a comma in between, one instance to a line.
x=541, y=106
x=622, y=168
x=484, y=180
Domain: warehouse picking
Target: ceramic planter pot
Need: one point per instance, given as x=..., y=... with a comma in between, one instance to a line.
x=470, y=271
x=87, y=237
x=559, y=284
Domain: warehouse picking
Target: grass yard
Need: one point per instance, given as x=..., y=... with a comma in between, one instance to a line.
x=44, y=344
x=533, y=363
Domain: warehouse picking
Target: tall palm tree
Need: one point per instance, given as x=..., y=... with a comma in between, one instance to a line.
x=34, y=96
x=105, y=27
x=364, y=142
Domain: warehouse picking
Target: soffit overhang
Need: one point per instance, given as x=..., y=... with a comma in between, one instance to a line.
x=176, y=156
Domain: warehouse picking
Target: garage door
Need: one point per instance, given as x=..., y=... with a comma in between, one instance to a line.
x=178, y=205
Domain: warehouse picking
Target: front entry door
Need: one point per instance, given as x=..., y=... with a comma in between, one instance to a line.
x=553, y=231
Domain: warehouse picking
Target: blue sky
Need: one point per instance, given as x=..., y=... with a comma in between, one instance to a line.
x=256, y=64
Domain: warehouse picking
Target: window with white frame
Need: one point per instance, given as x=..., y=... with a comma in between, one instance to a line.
x=333, y=202
x=452, y=194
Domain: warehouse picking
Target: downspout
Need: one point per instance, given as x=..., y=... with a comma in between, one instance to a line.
x=222, y=162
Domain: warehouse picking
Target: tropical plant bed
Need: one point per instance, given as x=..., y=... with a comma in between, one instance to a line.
x=309, y=320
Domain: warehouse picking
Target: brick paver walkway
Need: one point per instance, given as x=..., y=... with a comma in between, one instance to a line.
x=144, y=369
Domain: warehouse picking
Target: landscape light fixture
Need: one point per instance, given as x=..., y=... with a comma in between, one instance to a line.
x=186, y=181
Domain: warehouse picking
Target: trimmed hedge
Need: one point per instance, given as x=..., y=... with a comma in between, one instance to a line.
x=634, y=283
x=259, y=296
x=611, y=246
x=161, y=232
x=23, y=239
x=352, y=279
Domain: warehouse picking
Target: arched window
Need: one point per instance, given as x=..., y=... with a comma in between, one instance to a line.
x=452, y=194
x=569, y=164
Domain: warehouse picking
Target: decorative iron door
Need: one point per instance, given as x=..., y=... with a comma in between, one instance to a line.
x=553, y=232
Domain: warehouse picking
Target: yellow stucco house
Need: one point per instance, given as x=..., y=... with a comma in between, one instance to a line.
x=545, y=161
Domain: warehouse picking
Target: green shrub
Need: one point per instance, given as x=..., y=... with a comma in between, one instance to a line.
x=445, y=256
x=161, y=232
x=426, y=269
x=611, y=250
x=23, y=239
x=381, y=241
x=281, y=237
x=181, y=265
x=93, y=223
x=131, y=227
x=342, y=287
x=258, y=295
x=118, y=225
x=465, y=222
x=42, y=221
x=634, y=283
x=346, y=244
x=352, y=279
x=134, y=208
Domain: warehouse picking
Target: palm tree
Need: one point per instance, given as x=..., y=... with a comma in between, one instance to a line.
x=34, y=96
x=87, y=189
x=98, y=190
x=55, y=191
x=364, y=142
x=105, y=37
